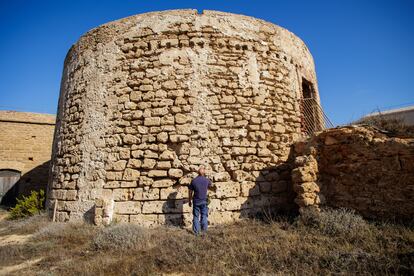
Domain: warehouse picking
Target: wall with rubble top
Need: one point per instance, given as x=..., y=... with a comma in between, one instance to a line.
x=358, y=168
x=147, y=99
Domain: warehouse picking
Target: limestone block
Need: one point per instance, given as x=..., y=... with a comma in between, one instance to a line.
x=167, y=155
x=137, y=153
x=303, y=174
x=145, y=181
x=71, y=195
x=122, y=194
x=163, y=165
x=162, y=137
x=146, y=87
x=214, y=205
x=279, y=128
x=128, y=207
x=175, y=173
x=148, y=163
x=114, y=175
x=152, y=121
x=176, y=192
x=153, y=207
x=250, y=188
x=146, y=194
x=131, y=174
x=216, y=218
x=306, y=187
x=221, y=176
x=228, y=99
x=134, y=163
x=169, y=85
x=146, y=220
x=178, y=138
x=117, y=166
x=162, y=183
x=234, y=204
x=157, y=173
x=130, y=139
x=181, y=118
x=240, y=175
x=227, y=189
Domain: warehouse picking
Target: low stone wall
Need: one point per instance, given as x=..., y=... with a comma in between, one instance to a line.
x=358, y=168
x=25, y=147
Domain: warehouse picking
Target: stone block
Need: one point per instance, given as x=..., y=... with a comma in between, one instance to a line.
x=146, y=194
x=128, y=207
x=157, y=173
x=175, y=173
x=227, y=189
x=174, y=192
x=131, y=174
x=163, y=183
x=152, y=121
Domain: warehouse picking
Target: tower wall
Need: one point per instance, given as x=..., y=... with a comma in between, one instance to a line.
x=147, y=99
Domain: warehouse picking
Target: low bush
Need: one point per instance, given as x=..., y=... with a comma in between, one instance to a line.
x=122, y=237
x=28, y=205
x=336, y=222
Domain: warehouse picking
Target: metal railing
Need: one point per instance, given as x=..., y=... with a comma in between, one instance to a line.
x=313, y=118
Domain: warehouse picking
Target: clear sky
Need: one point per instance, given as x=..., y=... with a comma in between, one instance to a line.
x=363, y=49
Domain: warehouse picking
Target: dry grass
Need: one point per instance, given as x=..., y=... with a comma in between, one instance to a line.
x=393, y=127
x=334, y=242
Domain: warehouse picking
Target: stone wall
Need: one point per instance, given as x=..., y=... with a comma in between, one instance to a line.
x=148, y=99
x=358, y=168
x=25, y=146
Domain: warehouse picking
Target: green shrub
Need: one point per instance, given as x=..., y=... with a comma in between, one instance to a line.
x=28, y=205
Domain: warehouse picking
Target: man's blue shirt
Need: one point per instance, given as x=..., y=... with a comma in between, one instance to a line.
x=200, y=185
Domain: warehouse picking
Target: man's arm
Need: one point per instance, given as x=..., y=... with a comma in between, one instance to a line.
x=211, y=186
x=190, y=196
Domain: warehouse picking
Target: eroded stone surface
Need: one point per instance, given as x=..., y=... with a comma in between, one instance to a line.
x=147, y=99
x=357, y=168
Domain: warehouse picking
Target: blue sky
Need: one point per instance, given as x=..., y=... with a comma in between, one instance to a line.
x=363, y=49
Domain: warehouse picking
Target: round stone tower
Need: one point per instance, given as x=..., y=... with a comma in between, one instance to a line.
x=147, y=99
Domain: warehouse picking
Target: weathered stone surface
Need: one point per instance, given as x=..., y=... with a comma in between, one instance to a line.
x=357, y=168
x=182, y=89
x=175, y=173
x=25, y=147
x=128, y=207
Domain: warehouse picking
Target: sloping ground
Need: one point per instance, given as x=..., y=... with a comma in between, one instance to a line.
x=325, y=243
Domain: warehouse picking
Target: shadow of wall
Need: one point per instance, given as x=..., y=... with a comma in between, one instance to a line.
x=272, y=193
x=173, y=210
x=34, y=180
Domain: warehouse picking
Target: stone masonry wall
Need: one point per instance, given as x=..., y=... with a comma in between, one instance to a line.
x=148, y=99
x=26, y=146
x=358, y=168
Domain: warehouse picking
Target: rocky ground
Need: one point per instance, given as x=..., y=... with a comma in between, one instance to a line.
x=334, y=242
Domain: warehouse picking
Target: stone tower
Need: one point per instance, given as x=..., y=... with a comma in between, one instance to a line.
x=147, y=99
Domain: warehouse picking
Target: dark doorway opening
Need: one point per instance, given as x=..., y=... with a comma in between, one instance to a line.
x=309, y=108
x=9, y=188
x=308, y=92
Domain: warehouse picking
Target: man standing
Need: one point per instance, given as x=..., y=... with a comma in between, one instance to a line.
x=197, y=194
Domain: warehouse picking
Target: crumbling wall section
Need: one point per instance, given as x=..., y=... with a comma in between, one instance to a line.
x=356, y=167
